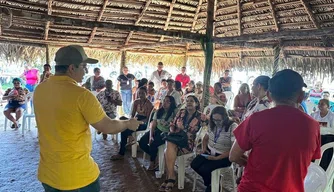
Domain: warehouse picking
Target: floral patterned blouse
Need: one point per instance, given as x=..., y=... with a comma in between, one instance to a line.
x=22, y=92
x=191, y=127
x=109, y=108
x=218, y=99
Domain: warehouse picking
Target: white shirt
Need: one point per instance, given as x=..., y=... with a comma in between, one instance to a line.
x=175, y=94
x=156, y=79
x=328, y=119
x=256, y=105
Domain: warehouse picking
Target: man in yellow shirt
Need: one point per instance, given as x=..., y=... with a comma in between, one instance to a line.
x=64, y=112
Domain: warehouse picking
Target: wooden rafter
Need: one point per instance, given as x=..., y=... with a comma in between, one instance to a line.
x=168, y=17
x=92, y=34
x=196, y=15
x=276, y=35
x=159, y=44
x=47, y=25
x=308, y=9
x=122, y=27
x=272, y=10
x=239, y=17
x=148, y=2
x=327, y=43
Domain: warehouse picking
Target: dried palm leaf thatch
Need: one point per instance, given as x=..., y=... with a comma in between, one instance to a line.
x=18, y=55
x=150, y=59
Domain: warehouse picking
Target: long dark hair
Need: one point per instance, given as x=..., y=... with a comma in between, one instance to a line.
x=198, y=107
x=170, y=111
x=142, y=82
x=227, y=122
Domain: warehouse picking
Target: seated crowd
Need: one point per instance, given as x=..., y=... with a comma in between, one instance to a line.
x=173, y=114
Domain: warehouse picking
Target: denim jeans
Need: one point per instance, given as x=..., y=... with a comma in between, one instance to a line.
x=93, y=187
x=126, y=101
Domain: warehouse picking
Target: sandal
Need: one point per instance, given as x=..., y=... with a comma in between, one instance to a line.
x=13, y=126
x=163, y=186
x=153, y=167
x=117, y=157
x=131, y=143
x=169, y=187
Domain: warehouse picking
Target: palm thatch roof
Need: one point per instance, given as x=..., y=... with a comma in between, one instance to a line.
x=245, y=31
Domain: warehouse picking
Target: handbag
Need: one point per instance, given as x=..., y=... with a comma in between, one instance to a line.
x=179, y=138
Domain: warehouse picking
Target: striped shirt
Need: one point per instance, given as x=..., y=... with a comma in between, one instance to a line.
x=224, y=141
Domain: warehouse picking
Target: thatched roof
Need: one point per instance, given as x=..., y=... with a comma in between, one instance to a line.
x=245, y=31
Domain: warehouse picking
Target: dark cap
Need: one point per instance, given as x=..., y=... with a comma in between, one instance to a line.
x=72, y=54
x=286, y=82
x=263, y=81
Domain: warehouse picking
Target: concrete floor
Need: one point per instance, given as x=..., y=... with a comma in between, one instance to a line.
x=19, y=158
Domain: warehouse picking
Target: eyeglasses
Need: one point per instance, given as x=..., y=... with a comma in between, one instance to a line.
x=16, y=83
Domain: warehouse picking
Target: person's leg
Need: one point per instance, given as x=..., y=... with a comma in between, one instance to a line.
x=143, y=142
x=93, y=187
x=8, y=114
x=124, y=140
x=124, y=105
x=128, y=99
x=170, y=156
x=210, y=165
x=48, y=188
x=18, y=113
x=153, y=148
x=197, y=163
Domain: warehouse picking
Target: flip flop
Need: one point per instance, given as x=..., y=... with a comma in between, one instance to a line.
x=163, y=186
x=169, y=188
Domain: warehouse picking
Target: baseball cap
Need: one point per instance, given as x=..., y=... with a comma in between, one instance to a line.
x=72, y=54
x=286, y=82
x=262, y=80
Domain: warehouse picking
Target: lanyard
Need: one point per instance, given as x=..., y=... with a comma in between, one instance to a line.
x=217, y=135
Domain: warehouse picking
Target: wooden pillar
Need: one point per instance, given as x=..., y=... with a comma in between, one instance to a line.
x=47, y=56
x=277, y=51
x=208, y=52
x=123, y=60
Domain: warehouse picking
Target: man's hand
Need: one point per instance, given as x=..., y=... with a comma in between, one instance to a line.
x=133, y=124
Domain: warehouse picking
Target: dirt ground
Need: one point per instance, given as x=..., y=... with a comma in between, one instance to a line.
x=19, y=158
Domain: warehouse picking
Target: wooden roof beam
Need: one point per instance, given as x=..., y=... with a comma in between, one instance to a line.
x=196, y=15
x=239, y=17
x=308, y=9
x=276, y=35
x=98, y=19
x=47, y=25
x=327, y=43
x=148, y=2
x=122, y=27
x=168, y=17
x=272, y=10
x=159, y=44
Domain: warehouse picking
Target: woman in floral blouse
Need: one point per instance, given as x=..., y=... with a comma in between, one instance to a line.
x=187, y=120
x=16, y=102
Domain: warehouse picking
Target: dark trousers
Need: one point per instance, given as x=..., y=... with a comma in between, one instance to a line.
x=124, y=137
x=152, y=149
x=93, y=187
x=204, y=167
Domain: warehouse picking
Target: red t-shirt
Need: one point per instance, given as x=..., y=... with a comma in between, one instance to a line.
x=184, y=79
x=284, y=141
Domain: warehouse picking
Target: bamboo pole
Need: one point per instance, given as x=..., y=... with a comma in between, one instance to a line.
x=123, y=61
x=208, y=52
x=47, y=52
x=277, y=51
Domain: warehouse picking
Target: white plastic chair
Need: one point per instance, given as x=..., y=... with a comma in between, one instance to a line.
x=138, y=134
x=29, y=113
x=181, y=160
x=161, y=157
x=330, y=169
x=208, y=109
x=229, y=96
x=310, y=107
x=316, y=179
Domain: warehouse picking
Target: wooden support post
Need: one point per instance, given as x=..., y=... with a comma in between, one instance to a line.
x=208, y=52
x=123, y=61
x=277, y=51
x=47, y=54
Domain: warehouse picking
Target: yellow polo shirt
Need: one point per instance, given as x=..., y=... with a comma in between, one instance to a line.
x=63, y=113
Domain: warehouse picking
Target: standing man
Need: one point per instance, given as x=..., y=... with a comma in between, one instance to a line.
x=109, y=99
x=183, y=78
x=97, y=81
x=283, y=140
x=46, y=73
x=226, y=81
x=159, y=74
x=64, y=112
x=125, y=85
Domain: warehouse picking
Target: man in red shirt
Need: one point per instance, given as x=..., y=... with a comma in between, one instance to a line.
x=183, y=78
x=283, y=140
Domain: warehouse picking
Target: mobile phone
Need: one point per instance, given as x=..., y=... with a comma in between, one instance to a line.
x=205, y=155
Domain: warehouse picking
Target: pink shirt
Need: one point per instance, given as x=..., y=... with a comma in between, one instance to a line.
x=284, y=141
x=31, y=76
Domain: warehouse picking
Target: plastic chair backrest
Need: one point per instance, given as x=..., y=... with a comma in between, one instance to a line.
x=29, y=101
x=330, y=169
x=316, y=179
x=150, y=118
x=207, y=110
x=310, y=106
x=229, y=96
